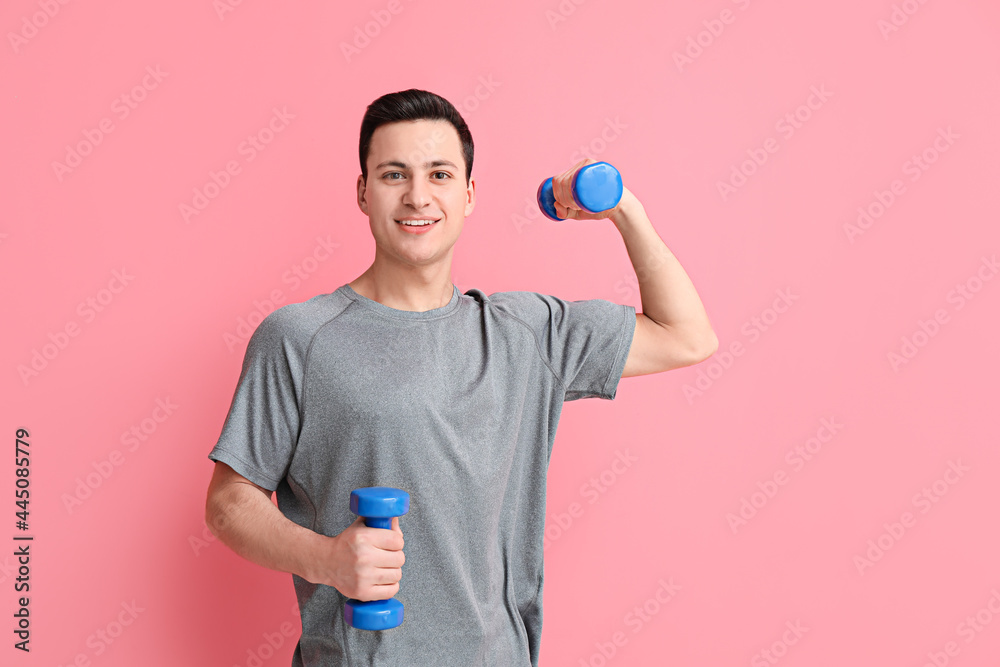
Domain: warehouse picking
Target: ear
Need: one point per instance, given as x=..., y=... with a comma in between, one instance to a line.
x=470, y=201
x=362, y=189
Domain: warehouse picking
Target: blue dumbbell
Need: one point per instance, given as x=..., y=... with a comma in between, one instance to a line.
x=596, y=187
x=377, y=504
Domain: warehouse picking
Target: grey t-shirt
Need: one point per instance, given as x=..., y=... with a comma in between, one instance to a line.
x=458, y=406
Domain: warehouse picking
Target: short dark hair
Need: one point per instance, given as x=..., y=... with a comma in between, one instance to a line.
x=412, y=104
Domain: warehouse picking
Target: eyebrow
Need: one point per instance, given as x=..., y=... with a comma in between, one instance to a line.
x=428, y=165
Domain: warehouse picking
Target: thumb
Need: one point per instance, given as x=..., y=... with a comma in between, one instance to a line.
x=567, y=213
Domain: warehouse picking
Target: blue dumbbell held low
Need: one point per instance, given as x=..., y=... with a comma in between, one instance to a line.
x=596, y=187
x=378, y=505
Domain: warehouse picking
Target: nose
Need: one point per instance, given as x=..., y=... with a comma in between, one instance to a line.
x=417, y=193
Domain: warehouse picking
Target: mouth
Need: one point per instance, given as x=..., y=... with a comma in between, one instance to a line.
x=422, y=222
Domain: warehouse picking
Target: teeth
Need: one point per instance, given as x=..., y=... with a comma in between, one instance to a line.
x=415, y=223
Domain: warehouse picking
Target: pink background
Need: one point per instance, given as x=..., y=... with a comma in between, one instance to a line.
x=535, y=81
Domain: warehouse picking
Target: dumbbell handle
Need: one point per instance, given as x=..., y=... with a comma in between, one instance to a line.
x=378, y=522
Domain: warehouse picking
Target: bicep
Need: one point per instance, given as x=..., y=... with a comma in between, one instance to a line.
x=655, y=349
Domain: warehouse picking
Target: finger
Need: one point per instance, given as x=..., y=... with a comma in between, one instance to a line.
x=389, y=559
x=387, y=540
x=368, y=592
x=567, y=213
x=564, y=193
x=381, y=592
x=562, y=189
x=381, y=576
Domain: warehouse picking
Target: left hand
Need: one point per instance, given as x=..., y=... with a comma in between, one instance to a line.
x=566, y=207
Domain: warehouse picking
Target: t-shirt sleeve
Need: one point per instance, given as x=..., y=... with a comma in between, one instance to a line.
x=585, y=343
x=260, y=432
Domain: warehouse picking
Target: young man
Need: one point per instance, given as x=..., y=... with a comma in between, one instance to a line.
x=398, y=379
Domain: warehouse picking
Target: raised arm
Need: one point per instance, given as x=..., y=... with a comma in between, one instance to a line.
x=673, y=328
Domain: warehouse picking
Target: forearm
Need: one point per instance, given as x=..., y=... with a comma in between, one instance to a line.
x=246, y=521
x=668, y=296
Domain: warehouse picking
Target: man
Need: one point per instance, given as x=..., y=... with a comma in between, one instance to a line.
x=397, y=379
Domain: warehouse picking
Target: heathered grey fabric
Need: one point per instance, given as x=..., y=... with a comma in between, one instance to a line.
x=458, y=406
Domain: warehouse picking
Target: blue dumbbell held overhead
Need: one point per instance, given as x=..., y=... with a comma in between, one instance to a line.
x=596, y=187
x=377, y=504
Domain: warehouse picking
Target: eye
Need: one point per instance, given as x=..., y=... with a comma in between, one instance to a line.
x=442, y=172
x=391, y=173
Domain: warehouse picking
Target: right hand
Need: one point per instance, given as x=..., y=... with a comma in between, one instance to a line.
x=362, y=563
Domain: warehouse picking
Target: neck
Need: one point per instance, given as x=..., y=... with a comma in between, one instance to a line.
x=406, y=288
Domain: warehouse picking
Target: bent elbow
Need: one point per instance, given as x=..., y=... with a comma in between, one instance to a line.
x=707, y=346
x=210, y=509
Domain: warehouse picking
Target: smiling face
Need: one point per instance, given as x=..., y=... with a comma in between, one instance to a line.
x=416, y=174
